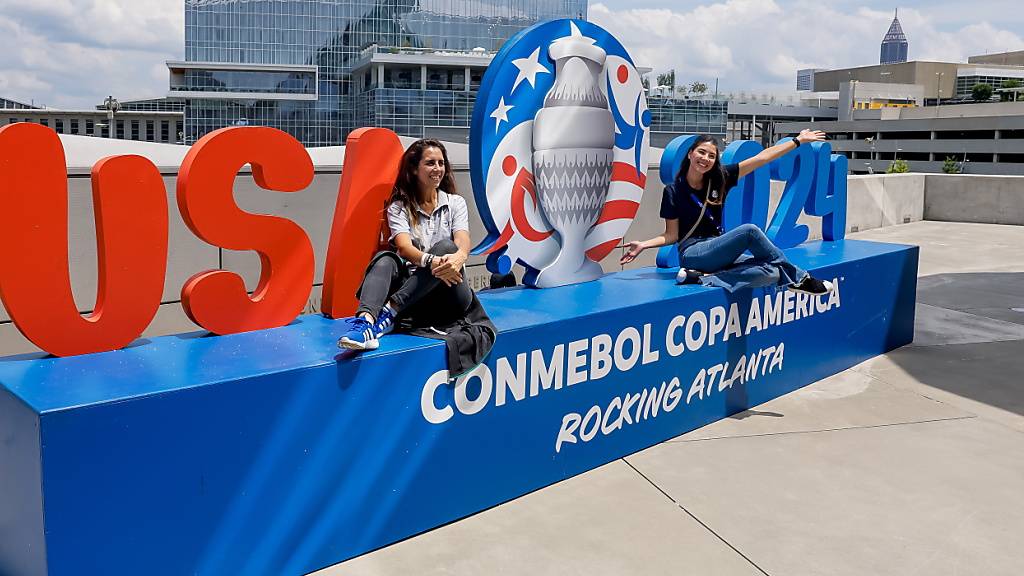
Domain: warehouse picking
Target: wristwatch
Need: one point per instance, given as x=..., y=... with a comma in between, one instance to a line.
x=796, y=140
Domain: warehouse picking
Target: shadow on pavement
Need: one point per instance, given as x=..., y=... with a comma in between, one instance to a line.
x=974, y=291
x=987, y=372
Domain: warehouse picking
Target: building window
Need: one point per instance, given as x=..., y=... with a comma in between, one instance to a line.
x=165, y=131
x=58, y=125
x=446, y=79
x=135, y=129
x=402, y=77
x=74, y=125
x=44, y=122
x=120, y=129
x=90, y=128
x=150, y=131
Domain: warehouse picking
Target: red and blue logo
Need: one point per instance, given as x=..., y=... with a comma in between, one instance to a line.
x=558, y=151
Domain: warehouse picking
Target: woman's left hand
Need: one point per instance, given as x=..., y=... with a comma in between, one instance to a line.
x=807, y=136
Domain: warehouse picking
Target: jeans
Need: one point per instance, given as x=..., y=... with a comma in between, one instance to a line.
x=721, y=257
x=421, y=296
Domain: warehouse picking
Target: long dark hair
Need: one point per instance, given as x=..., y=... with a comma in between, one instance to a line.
x=716, y=174
x=407, y=186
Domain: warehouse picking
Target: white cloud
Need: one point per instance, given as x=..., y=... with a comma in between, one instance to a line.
x=72, y=53
x=758, y=45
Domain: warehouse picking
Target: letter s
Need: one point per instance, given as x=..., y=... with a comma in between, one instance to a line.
x=216, y=299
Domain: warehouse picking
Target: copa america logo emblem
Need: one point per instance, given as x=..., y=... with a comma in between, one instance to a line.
x=558, y=151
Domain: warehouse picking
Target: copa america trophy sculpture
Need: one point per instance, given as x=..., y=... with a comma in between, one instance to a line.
x=558, y=152
x=573, y=137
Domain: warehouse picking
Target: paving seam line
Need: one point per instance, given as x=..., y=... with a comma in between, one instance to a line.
x=698, y=520
x=767, y=434
x=921, y=393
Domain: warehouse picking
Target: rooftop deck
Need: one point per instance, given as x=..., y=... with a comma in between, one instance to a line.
x=910, y=463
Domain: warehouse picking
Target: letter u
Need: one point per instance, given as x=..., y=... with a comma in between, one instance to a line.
x=130, y=204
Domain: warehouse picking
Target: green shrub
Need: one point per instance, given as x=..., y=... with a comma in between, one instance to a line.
x=898, y=167
x=951, y=166
x=1009, y=96
x=981, y=92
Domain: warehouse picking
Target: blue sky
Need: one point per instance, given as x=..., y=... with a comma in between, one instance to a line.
x=73, y=53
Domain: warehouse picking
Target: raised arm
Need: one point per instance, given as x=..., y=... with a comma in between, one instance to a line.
x=769, y=154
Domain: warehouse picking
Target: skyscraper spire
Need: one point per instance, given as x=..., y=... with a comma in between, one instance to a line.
x=894, y=45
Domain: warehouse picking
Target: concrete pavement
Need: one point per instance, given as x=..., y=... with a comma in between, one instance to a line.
x=910, y=463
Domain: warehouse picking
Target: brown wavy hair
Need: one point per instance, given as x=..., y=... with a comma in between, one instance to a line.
x=407, y=187
x=716, y=174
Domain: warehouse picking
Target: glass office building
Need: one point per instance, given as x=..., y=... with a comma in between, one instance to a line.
x=8, y=104
x=289, y=63
x=967, y=78
x=688, y=116
x=894, y=46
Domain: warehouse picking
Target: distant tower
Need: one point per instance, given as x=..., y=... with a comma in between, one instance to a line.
x=894, y=45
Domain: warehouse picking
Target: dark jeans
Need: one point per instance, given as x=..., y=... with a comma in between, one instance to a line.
x=721, y=256
x=421, y=296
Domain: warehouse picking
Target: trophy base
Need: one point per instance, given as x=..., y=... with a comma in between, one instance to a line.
x=565, y=271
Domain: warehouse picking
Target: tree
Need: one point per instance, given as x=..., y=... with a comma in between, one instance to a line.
x=898, y=167
x=667, y=79
x=646, y=82
x=1010, y=96
x=951, y=166
x=699, y=88
x=981, y=92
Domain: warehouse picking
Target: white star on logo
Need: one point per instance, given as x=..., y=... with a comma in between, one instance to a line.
x=575, y=36
x=500, y=114
x=529, y=67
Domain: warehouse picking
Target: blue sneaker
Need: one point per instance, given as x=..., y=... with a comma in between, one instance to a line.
x=361, y=335
x=385, y=321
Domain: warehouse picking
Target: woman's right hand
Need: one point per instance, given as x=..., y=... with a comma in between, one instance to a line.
x=447, y=269
x=634, y=249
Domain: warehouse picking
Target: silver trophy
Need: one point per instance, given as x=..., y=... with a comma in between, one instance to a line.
x=573, y=137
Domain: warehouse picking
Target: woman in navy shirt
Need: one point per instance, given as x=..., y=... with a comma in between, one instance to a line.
x=693, y=204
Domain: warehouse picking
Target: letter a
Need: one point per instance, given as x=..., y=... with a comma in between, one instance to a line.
x=372, y=156
x=698, y=386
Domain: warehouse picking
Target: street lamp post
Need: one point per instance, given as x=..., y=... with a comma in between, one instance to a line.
x=853, y=98
x=112, y=106
x=871, y=140
x=938, y=88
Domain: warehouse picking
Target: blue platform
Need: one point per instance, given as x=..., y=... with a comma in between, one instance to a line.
x=267, y=453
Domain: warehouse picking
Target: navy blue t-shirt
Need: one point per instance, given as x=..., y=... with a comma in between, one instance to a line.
x=683, y=203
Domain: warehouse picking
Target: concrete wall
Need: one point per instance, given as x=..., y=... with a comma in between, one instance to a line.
x=313, y=209
x=874, y=201
x=914, y=72
x=970, y=198
x=1004, y=58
